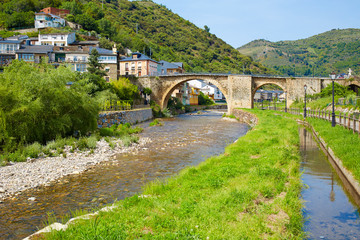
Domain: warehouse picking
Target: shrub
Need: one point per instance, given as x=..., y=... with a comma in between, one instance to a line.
x=91, y=142
x=204, y=99
x=33, y=150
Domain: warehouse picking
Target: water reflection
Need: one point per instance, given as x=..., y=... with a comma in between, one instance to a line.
x=182, y=141
x=329, y=211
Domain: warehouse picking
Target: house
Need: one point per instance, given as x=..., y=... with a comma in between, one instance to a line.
x=86, y=43
x=56, y=11
x=8, y=49
x=44, y=20
x=78, y=57
x=213, y=92
x=56, y=39
x=194, y=93
x=34, y=54
x=268, y=95
x=208, y=89
x=182, y=93
x=171, y=68
x=21, y=38
x=138, y=64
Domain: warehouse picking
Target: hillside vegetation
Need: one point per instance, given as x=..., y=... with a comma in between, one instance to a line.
x=142, y=26
x=335, y=50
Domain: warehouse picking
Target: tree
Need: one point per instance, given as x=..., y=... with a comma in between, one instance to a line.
x=95, y=74
x=95, y=67
x=40, y=106
x=207, y=29
x=124, y=89
x=86, y=21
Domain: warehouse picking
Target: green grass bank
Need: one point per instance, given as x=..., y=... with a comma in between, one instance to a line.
x=343, y=142
x=252, y=191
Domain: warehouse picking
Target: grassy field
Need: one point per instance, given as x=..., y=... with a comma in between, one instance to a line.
x=343, y=142
x=252, y=191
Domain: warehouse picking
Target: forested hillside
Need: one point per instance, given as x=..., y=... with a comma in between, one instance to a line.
x=335, y=50
x=142, y=26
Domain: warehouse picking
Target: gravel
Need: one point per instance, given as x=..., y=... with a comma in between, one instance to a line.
x=19, y=177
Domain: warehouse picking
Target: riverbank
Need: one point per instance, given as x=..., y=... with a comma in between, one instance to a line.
x=250, y=191
x=43, y=171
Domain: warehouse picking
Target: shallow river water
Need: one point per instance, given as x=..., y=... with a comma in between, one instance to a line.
x=330, y=211
x=182, y=141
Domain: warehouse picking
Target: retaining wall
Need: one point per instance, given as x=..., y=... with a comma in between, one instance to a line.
x=107, y=119
x=245, y=117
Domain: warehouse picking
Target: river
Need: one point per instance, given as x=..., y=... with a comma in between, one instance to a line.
x=330, y=211
x=182, y=141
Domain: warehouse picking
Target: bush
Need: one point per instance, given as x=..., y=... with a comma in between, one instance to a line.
x=32, y=150
x=204, y=99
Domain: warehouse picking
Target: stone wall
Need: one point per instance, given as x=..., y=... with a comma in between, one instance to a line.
x=107, y=119
x=245, y=117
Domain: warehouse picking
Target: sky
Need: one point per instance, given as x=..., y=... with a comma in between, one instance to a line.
x=241, y=21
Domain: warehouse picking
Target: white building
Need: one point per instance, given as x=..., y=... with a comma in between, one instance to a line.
x=56, y=39
x=44, y=20
x=208, y=89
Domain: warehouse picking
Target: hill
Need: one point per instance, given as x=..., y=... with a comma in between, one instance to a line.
x=336, y=50
x=143, y=26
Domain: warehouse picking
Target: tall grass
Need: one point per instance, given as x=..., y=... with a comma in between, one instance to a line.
x=249, y=192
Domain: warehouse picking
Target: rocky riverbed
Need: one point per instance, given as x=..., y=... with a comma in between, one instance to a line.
x=18, y=177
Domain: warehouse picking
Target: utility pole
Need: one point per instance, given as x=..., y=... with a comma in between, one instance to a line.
x=150, y=52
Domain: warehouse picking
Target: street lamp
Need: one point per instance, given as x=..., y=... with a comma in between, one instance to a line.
x=333, y=121
x=285, y=103
x=305, y=87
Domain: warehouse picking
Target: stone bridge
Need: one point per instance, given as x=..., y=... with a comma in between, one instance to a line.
x=239, y=90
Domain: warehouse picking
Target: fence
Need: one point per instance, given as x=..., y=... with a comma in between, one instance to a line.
x=347, y=120
x=116, y=105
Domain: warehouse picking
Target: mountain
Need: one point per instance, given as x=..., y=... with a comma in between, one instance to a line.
x=336, y=50
x=146, y=27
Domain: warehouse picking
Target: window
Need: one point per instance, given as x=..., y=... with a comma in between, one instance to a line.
x=107, y=70
x=75, y=58
x=26, y=57
x=126, y=66
x=84, y=59
x=80, y=67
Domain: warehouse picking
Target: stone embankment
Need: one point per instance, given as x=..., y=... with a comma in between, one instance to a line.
x=19, y=177
x=245, y=117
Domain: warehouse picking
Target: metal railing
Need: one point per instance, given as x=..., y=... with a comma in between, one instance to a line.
x=116, y=105
x=349, y=121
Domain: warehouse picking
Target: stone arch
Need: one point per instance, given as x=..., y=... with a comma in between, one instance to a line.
x=355, y=86
x=165, y=98
x=263, y=84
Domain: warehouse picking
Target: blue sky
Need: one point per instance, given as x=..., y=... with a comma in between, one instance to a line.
x=238, y=21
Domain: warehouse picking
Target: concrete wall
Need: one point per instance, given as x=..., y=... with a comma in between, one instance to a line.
x=107, y=119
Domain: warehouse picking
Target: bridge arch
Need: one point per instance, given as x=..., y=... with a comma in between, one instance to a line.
x=167, y=93
x=260, y=84
x=354, y=87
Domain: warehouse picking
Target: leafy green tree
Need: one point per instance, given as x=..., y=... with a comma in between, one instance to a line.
x=95, y=67
x=40, y=107
x=204, y=99
x=124, y=89
x=86, y=21
x=105, y=43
